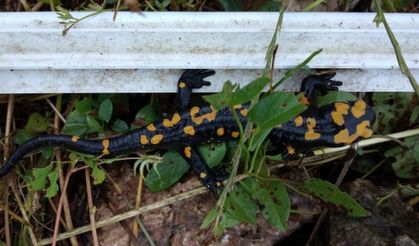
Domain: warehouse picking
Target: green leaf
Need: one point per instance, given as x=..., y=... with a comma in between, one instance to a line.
x=93, y=125
x=409, y=190
x=389, y=108
x=231, y=147
x=226, y=221
x=258, y=137
x=212, y=153
x=40, y=177
x=104, y=96
x=149, y=113
x=330, y=193
x=334, y=96
x=98, y=175
x=277, y=157
x=223, y=98
x=36, y=124
x=275, y=109
x=230, y=5
x=53, y=184
x=85, y=105
x=271, y=6
x=240, y=205
x=170, y=170
x=105, y=110
x=47, y=152
x=76, y=124
x=56, y=2
x=273, y=197
x=212, y=214
x=120, y=126
x=250, y=91
x=406, y=160
x=74, y=158
x=414, y=117
x=22, y=135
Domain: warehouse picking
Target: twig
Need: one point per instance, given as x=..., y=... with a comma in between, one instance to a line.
x=57, y=111
x=112, y=206
x=37, y=6
x=138, y=204
x=25, y=5
x=128, y=215
x=130, y=206
x=60, y=205
x=22, y=210
x=66, y=207
x=6, y=218
x=115, y=13
x=373, y=169
x=52, y=5
x=371, y=141
x=92, y=208
x=32, y=98
x=11, y=213
x=9, y=116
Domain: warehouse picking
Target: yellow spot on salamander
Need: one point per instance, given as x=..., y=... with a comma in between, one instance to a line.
x=169, y=123
x=235, y=134
x=189, y=130
x=220, y=131
x=358, y=109
x=188, y=152
x=105, y=144
x=143, y=139
x=342, y=137
x=151, y=127
x=210, y=116
x=202, y=175
x=156, y=138
x=298, y=120
x=237, y=106
x=182, y=85
x=218, y=183
x=362, y=130
x=244, y=111
x=290, y=150
x=304, y=100
x=337, y=116
x=310, y=134
x=75, y=139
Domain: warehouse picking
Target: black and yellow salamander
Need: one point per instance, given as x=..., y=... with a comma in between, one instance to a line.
x=336, y=124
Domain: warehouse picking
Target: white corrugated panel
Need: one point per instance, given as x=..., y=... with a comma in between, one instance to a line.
x=146, y=52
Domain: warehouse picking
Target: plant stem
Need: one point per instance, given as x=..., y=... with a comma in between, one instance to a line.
x=92, y=208
x=402, y=63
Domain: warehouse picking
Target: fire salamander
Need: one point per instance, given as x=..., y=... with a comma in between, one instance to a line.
x=336, y=124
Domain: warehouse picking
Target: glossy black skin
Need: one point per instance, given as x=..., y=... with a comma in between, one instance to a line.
x=189, y=127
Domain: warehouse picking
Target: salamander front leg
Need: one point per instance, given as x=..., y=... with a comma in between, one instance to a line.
x=206, y=176
x=190, y=79
x=322, y=83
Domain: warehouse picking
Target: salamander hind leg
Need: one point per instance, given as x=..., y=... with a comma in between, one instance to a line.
x=207, y=177
x=191, y=79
